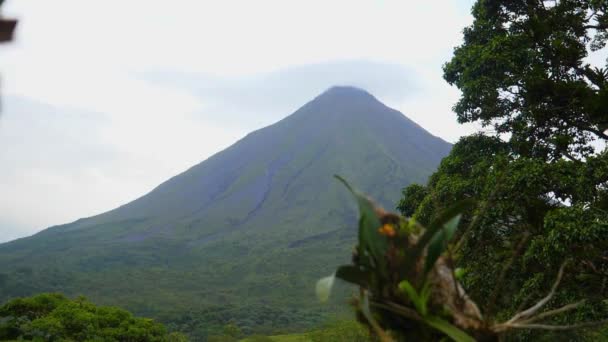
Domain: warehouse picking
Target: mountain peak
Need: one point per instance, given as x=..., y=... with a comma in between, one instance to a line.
x=344, y=100
x=346, y=92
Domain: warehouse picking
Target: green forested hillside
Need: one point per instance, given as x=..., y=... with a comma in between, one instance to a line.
x=241, y=237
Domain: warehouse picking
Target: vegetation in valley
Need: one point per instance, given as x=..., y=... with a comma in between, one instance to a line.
x=334, y=331
x=54, y=317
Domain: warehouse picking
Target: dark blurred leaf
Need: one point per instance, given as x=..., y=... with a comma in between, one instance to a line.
x=353, y=275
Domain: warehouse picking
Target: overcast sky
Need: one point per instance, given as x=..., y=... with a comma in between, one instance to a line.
x=104, y=100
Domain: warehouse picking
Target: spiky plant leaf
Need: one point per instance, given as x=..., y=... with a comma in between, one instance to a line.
x=447, y=328
x=353, y=274
x=369, y=238
x=437, y=224
x=440, y=241
x=418, y=301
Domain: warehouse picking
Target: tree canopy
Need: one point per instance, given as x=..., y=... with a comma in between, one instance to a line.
x=54, y=317
x=523, y=69
x=540, y=177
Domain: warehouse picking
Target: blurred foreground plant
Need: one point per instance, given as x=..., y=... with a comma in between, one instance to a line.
x=409, y=288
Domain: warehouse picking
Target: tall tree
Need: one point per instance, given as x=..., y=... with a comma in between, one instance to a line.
x=523, y=70
x=540, y=179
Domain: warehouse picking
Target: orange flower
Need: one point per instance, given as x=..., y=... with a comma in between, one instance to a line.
x=387, y=229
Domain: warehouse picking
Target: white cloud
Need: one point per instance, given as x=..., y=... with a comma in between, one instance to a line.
x=235, y=37
x=60, y=164
x=83, y=130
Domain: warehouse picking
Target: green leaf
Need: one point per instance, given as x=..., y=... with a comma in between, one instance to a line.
x=408, y=289
x=412, y=294
x=459, y=273
x=448, y=329
x=425, y=294
x=458, y=208
x=369, y=238
x=353, y=275
x=440, y=241
x=324, y=286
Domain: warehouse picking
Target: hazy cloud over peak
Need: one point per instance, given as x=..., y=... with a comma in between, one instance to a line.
x=261, y=99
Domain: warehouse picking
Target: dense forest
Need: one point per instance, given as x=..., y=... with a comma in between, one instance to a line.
x=53, y=317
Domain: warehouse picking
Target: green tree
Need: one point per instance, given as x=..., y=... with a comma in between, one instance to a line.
x=542, y=189
x=232, y=330
x=54, y=317
x=559, y=209
x=522, y=70
x=412, y=196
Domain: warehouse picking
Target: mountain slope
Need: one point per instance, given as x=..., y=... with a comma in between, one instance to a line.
x=246, y=231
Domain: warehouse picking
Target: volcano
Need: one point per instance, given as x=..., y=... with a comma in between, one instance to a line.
x=242, y=236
